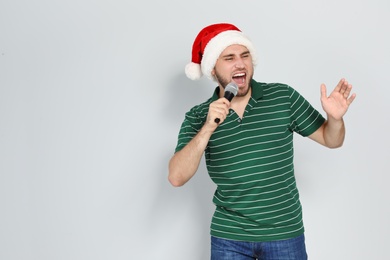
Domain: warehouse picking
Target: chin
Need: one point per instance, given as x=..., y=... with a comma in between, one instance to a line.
x=243, y=91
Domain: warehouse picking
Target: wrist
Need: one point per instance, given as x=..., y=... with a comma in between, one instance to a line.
x=334, y=119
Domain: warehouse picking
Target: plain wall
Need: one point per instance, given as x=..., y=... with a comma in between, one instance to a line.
x=92, y=95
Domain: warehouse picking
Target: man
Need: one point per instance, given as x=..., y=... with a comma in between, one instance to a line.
x=249, y=152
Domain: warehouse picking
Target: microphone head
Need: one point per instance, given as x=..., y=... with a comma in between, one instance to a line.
x=232, y=87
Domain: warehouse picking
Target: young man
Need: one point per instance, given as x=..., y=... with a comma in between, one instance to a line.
x=249, y=152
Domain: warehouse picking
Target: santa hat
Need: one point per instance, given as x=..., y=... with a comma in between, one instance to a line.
x=210, y=43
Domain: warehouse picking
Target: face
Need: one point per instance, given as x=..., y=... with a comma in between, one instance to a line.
x=234, y=64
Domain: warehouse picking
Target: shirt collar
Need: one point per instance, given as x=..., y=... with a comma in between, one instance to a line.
x=257, y=89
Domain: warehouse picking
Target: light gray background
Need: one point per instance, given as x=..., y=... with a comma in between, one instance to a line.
x=92, y=95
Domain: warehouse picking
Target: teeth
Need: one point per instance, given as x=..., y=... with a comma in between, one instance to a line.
x=239, y=75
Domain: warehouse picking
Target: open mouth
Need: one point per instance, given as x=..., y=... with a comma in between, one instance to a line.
x=239, y=78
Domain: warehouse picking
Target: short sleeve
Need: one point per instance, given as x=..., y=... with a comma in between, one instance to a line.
x=305, y=119
x=189, y=128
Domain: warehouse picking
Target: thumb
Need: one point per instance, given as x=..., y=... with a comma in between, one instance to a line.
x=323, y=91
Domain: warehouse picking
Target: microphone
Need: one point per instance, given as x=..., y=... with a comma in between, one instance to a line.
x=230, y=92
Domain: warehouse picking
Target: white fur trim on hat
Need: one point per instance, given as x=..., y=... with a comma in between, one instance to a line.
x=218, y=44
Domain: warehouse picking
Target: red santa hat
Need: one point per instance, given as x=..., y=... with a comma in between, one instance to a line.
x=210, y=43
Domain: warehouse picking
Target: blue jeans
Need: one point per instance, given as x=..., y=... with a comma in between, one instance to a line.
x=289, y=249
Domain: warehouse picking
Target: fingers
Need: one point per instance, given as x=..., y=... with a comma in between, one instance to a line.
x=341, y=91
x=340, y=85
x=218, y=110
x=345, y=90
x=351, y=99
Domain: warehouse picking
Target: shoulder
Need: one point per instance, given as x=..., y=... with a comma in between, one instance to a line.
x=270, y=86
x=274, y=89
x=197, y=115
x=201, y=108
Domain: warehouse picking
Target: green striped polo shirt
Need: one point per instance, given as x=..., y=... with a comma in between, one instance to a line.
x=251, y=162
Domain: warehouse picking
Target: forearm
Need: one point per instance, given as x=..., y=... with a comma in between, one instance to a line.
x=334, y=132
x=184, y=164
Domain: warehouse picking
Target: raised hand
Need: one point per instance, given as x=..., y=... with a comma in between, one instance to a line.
x=337, y=103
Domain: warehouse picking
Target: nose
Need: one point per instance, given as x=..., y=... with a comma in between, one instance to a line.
x=239, y=64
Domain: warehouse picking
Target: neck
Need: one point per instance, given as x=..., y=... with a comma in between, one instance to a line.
x=242, y=98
x=239, y=103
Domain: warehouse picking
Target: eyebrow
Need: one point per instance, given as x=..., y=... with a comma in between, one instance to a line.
x=232, y=55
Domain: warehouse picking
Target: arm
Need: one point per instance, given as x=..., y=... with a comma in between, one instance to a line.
x=331, y=134
x=184, y=163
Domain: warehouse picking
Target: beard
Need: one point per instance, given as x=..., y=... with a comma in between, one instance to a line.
x=223, y=82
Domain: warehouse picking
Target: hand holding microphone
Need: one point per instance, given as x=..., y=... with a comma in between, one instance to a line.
x=230, y=91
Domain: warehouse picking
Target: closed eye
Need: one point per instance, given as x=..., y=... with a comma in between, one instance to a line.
x=228, y=57
x=245, y=54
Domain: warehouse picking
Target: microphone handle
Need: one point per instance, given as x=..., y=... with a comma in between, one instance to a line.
x=229, y=95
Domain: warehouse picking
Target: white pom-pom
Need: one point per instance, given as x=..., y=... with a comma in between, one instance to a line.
x=193, y=71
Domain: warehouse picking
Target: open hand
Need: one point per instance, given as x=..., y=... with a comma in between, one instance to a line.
x=337, y=103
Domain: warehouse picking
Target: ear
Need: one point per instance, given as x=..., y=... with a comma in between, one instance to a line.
x=213, y=75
